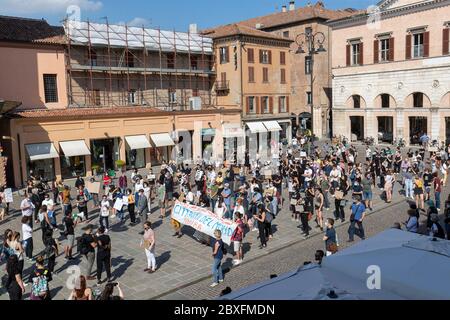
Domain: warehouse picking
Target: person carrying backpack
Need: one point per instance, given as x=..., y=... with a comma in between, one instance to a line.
x=40, y=277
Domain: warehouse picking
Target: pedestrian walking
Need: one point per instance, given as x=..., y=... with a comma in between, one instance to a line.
x=356, y=219
x=104, y=248
x=148, y=244
x=87, y=249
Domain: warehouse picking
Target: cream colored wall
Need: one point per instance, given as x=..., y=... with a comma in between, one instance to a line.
x=434, y=19
x=22, y=70
x=29, y=131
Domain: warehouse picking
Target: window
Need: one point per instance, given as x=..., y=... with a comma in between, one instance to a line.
x=195, y=93
x=265, y=56
x=50, y=88
x=384, y=50
x=251, y=74
x=308, y=98
x=132, y=96
x=92, y=58
x=283, y=58
x=94, y=98
x=265, y=104
x=418, y=100
x=251, y=105
x=282, y=105
x=285, y=34
x=357, y=102
x=385, y=100
x=224, y=55
x=251, y=55
x=308, y=65
x=283, y=76
x=356, y=51
x=265, y=75
x=130, y=60
x=418, y=45
x=194, y=62
x=171, y=61
x=172, y=96
x=223, y=80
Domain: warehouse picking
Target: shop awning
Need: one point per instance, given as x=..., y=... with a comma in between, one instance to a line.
x=74, y=148
x=256, y=127
x=272, y=126
x=162, y=140
x=138, y=142
x=233, y=131
x=41, y=151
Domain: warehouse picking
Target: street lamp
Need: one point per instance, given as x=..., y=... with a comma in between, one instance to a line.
x=314, y=45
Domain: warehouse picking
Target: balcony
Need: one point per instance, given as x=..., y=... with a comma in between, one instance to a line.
x=222, y=86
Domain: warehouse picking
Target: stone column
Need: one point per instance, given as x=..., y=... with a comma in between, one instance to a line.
x=436, y=125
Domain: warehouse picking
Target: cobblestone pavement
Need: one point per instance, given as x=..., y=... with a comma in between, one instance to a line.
x=184, y=264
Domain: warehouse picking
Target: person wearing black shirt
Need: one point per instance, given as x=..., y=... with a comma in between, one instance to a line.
x=79, y=182
x=14, y=283
x=70, y=236
x=88, y=244
x=103, y=255
x=51, y=249
x=427, y=179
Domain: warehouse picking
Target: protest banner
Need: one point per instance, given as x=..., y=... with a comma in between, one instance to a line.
x=118, y=204
x=203, y=220
x=93, y=187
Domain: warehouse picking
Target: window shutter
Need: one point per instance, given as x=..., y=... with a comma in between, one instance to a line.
x=270, y=56
x=376, y=51
x=445, y=41
x=248, y=105
x=279, y=105
x=228, y=55
x=260, y=56
x=283, y=58
x=408, y=46
x=348, y=54
x=426, y=44
x=258, y=109
x=361, y=53
x=287, y=104
x=251, y=55
x=391, y=49
x=283, y=76
x=251, y=74
x=271, y=105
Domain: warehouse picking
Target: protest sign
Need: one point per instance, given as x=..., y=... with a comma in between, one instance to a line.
x=203, y=220
x=118, y=204
x=93, y=187
x=8, y=195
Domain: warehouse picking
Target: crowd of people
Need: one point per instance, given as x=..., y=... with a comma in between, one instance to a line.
x=305, y=179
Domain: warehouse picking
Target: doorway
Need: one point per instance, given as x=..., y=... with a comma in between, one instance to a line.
x=357, y=128
x=417, y=127
x=386, y=129
x=447, y=131
x=105, y=153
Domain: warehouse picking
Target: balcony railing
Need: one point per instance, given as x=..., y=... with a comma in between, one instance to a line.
x=222, y=86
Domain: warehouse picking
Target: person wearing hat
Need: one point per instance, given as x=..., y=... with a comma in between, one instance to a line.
x=88, y=244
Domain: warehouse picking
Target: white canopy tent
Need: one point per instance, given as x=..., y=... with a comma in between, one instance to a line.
x=411, y=267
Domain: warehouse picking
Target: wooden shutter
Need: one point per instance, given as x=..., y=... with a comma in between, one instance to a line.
x=279, y=105
x=227, y=58
x=247, y=99
x=282, y=58
x=257, y=105
x=376, y=51
x=361, y=53
x=445, y=41
x=426, y=44
x=270, y=56
x=287, y=104
x=271, y=105
x=408, y=46
x=283, y=76
x=348, y=55
x=260, y=56
x=391, y=49
x=223, y=78
x=251, y=74
x=251, y=55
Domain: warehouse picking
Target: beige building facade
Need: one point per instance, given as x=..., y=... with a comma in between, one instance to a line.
x=391, y=72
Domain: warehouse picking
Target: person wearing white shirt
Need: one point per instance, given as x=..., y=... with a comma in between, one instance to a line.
x=27, y=208
x=27, y=232
x=104, y=213
x=220, y=208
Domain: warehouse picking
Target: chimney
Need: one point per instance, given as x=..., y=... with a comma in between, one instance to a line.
x=284, y=8
x=291, y=5
x=193, y=28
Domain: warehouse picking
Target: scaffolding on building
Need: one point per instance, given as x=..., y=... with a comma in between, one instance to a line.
x=118, y=65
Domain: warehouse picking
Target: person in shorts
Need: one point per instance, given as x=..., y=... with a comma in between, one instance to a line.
x=237, y=238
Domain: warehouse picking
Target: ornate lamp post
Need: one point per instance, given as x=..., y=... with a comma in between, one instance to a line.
x=313, y=44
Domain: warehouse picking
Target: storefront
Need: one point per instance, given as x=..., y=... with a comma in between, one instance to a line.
x=207, y=143
x=233, y=142
x=73, y=158
x=162, y=148
x=135, y=151
x=40, y=160
x=105, y=153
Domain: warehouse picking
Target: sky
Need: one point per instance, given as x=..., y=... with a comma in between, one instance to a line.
x=166, y=14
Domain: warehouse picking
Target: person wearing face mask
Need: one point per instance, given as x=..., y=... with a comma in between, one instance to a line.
x=105, y=209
